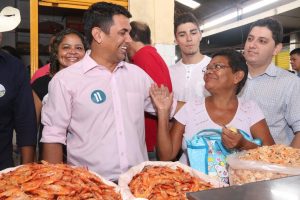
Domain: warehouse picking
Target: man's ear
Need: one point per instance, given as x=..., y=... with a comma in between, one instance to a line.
x=175, y=41
x=238, y=76
x=200, y=35
x=97, y=34
x=277, y=49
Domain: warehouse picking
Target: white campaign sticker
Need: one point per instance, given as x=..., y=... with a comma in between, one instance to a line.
x=2, y=90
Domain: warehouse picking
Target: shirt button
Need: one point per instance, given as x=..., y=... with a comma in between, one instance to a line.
x=122, y=154
x=120, y=133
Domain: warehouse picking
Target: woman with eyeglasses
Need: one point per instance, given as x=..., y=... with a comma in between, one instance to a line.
x=224, y=78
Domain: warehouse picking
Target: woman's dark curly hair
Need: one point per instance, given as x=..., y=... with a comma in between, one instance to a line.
x=237, y=63
x=54, y=63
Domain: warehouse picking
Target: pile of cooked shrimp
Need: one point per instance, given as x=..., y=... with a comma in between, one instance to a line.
x=281, y=156
x=275, y=154
x=53, y=181
x=160, y=182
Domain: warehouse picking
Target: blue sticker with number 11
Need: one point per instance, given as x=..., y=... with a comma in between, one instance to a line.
x=98, y=96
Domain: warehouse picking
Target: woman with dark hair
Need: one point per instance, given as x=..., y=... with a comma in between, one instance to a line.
x=68, y=47
x=224, y=78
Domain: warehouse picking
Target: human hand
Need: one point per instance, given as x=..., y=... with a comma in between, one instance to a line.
x=161, y=97
x=231, y=138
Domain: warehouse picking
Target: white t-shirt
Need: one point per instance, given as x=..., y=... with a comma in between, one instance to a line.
x=187, y=80
x=195, y=118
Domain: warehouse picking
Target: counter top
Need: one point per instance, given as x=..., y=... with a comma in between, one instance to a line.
x=277, y=189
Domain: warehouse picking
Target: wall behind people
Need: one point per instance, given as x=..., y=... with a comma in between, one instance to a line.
x=294, y=40
x=282, y=58
x=157, y=15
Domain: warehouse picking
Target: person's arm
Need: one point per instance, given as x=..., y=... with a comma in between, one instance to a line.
x=56, y=120
x=38, y=106
x=53, y=152
x=292, y=112
x=296, y=140
x=260, y=130
x=235, y=140
x=168, y=144
x=27, y=154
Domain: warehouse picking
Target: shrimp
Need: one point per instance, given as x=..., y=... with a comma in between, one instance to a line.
x=15, y=194
x=54, y=181
x=156, y=183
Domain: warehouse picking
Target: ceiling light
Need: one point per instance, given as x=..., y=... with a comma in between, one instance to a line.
x=246, y=9
x=257, y=5
x=275, y=10
x=220, y=20
x=189, y=3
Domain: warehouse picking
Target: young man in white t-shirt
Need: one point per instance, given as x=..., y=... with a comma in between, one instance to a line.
x=186, y=74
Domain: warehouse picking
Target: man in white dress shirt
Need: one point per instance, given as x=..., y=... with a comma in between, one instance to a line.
x=186, y=74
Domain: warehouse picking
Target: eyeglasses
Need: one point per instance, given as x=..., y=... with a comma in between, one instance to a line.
x=215, y=67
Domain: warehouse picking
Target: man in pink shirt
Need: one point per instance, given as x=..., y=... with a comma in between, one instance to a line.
x=96, y=107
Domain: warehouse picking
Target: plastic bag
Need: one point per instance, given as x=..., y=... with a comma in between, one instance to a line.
x=207, y=154
x=246, y=171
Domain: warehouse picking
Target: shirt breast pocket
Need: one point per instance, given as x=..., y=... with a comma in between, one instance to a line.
x=135, y=103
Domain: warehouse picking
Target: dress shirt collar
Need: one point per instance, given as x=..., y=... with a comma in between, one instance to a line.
x=270, y=71
x=89, y=63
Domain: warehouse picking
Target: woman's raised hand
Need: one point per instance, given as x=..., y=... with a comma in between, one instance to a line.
x=161, y=97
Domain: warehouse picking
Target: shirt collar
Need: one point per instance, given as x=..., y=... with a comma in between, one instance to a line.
x=89, y=63
x=188, y=66
x=270, y=71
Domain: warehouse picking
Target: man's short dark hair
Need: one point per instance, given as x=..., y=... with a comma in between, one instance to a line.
x=140, y=32
x=295, y=51
x=237, y=62
x=101, y=15
x=185, y=18
x=273, y=25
